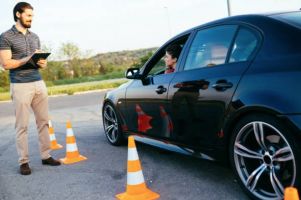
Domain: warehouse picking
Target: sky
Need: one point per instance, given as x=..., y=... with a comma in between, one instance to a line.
x=112, y=25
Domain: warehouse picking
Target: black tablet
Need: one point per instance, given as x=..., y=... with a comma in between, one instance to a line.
x=36, y=57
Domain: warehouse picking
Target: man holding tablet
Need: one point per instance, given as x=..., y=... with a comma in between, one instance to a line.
x=17, y=46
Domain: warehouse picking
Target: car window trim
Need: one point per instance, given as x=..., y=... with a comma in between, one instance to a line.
x=232, y=44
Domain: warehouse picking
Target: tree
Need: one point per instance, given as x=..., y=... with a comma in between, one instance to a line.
x=71, y=53
x=143, y=60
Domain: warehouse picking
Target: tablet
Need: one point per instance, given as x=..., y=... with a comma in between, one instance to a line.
x=36, y=57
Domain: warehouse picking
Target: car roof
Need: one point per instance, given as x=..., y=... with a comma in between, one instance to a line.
x=238, y=18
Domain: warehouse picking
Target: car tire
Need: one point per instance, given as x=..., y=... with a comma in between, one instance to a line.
x=112, y=125
x=264, y=156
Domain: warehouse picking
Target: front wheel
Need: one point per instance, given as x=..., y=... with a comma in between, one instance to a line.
x=265, y=157
x=112, y=126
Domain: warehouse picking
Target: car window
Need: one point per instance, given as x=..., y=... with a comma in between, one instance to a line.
x=157, y=65
x=210, y=47
x=244, y=45
x=158, y=68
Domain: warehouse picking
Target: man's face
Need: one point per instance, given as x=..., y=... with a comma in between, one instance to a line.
x=25, y=18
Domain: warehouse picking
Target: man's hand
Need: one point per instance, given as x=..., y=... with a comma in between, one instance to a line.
x=42, y=63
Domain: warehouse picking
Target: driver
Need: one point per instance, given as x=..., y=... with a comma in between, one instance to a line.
x=171, y=57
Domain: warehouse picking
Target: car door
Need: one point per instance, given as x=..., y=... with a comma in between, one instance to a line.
x=200, y=94
x=146, y=98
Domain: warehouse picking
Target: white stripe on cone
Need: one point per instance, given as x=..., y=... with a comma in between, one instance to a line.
x=69, y=132
x=49, y=123
x=132, y=154
x=52, y=137
x=135, y=178
x=71, y=147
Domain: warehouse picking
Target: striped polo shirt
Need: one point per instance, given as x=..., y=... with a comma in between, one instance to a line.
x=21, y=46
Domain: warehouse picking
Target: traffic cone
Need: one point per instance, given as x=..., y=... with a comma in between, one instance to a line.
x=291, y=193
x=53, y=143
x=72, y=154
x=136, y=188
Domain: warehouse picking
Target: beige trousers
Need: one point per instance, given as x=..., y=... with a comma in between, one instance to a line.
x=25, y=96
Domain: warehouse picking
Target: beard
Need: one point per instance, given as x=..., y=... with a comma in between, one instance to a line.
x=25, y=24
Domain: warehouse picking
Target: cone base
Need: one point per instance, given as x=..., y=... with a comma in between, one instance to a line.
x=147, y=195
x=57, y=146
x=291, y=193
x=73, y=160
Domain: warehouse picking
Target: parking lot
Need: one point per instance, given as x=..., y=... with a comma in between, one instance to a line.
x=103, y=175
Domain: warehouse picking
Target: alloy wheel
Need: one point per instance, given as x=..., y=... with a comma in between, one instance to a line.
x=111, y=124
x=264, y=160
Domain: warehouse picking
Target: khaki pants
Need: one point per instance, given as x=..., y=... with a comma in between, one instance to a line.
x=25, y=96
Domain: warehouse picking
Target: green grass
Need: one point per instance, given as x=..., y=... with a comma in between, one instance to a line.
x=107, y=76
x=74, y=88
x=111, y=75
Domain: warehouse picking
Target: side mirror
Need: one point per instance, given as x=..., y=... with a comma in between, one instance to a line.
x=133, y=73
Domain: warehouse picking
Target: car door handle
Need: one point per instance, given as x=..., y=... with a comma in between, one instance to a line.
x=161, y=89
x=222, y=85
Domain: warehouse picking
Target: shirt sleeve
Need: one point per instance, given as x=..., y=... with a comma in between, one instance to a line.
x=4, y=43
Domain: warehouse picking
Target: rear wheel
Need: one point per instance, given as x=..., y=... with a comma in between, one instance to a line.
x=265, y=157
x=111, y=124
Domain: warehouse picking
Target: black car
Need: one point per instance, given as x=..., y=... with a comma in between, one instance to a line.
x=234, y=96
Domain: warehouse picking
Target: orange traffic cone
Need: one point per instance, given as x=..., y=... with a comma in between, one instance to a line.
x=291, y=193
x=72, y=154
x=136, y=188
x=53, y=143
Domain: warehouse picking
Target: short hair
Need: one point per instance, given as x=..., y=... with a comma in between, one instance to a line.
x=174, y=50
x=20, y=7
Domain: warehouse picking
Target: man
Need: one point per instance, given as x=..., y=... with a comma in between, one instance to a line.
x=28, y=90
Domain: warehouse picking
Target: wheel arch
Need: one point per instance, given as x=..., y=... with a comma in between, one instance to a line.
x=233, y=119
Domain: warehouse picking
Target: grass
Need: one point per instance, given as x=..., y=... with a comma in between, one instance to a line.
x=4, y=96
x=110, y=75
x=74, y=88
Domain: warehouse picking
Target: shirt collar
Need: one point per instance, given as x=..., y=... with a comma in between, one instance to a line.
x=15, y=30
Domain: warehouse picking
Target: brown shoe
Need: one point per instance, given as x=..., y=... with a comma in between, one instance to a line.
x=24, y=169
x=50, y=161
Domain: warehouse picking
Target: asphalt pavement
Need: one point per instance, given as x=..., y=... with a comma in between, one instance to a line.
x=103, y=175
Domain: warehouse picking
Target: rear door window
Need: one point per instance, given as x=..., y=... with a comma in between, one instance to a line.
x=210, y=47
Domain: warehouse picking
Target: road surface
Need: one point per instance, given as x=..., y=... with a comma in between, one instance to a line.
x=103, y=175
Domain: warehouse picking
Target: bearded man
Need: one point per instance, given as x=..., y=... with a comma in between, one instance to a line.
x=28, y=90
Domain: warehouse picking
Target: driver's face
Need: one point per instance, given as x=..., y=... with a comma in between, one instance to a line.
x=169, y=60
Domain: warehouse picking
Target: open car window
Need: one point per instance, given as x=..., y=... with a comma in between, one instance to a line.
x=157, y=65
